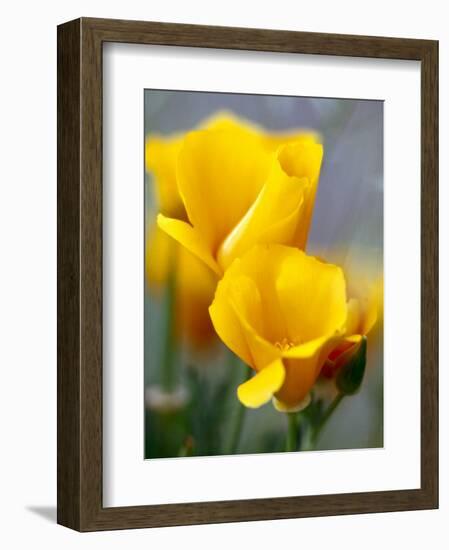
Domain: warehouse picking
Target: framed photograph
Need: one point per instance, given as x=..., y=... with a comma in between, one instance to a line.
x=247, y=274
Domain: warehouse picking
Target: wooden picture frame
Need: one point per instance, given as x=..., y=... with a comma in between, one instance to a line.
x=79, y=112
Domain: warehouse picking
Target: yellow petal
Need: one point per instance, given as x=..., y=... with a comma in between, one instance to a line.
x=261, y=265
x=303, y=365
x=353, y=339
x=313, y=349
x=227, y=326
x=273, y=140
x=300, y=377
x=247, y=304
x=236, y=314
x=312, y=296
x=282, y=211
x=220, y=173
x=186, y=235
x=303, y=160
x=260, y=389
x=272, y=218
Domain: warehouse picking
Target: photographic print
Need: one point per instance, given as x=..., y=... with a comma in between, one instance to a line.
x=223, y=250
x=263, y=274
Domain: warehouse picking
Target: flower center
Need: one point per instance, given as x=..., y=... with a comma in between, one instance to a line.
x=285, y=344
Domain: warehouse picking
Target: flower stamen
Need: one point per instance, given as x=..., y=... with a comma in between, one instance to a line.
x=285, y=344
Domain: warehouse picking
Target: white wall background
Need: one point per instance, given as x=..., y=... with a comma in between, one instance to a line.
x=28, y=273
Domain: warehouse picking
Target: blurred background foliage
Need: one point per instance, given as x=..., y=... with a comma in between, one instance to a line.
x=205, y=417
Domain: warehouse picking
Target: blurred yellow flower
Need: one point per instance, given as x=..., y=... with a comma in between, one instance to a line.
x=283, y=313
x=194, y=282
x=366, y=309
x=194, y=285
x=239, y=186
x=160, y=160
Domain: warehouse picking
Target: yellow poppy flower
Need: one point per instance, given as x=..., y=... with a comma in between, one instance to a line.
x=239, y=187
x=283, y=313
x=194, y=286
x=161, y=154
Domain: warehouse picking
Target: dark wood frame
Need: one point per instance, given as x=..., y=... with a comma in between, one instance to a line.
x=80, y=274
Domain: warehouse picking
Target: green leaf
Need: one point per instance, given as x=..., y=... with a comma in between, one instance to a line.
x=350, y=375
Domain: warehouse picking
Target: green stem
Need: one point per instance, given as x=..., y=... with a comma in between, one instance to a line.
x=291, y=443
x=337, y=400
x=236, y=430
x=239, y=414
x=187, y=447
x=169, y=346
